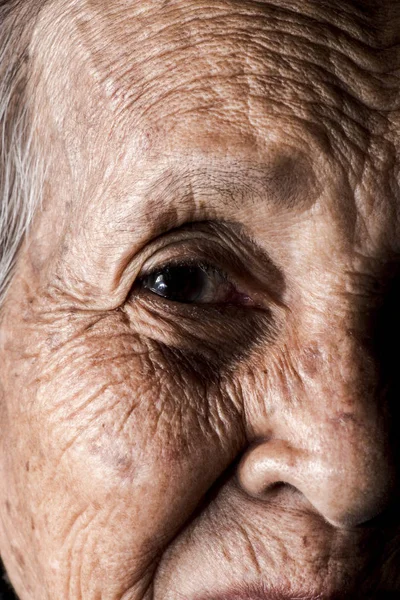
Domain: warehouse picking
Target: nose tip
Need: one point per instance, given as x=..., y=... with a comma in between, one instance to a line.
x=346, y=490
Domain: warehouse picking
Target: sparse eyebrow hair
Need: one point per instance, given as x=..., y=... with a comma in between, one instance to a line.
x=282, y=182
x=19, y=164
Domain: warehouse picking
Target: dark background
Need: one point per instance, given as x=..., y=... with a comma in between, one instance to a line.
x=6, y=592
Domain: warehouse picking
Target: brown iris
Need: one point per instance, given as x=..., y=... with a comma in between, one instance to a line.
x=180, y=283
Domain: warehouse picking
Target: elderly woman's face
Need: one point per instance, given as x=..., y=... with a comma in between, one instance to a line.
x=199, y=383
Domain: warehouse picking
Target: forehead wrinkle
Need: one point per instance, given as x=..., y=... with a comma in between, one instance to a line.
x=253, y=61
x=135, y=50
x=132, y=45
x=235, y=29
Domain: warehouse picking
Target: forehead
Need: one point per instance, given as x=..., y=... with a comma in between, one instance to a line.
x=236, y=64
x=238, y=80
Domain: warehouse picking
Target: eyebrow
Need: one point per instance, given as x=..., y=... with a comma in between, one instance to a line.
x=151, y=202
x=185, y=190
x=285, y=183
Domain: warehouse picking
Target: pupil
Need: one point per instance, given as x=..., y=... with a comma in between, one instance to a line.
x=180, y=283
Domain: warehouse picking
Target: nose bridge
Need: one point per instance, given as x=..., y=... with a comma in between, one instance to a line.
x=329, y=440
x=337, y=364
x=347, y=439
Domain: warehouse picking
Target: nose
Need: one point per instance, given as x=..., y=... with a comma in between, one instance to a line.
x=346, y=491
x=331, y=444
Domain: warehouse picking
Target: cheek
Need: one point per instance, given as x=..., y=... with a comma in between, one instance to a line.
x=118, y=398
x=117, y=431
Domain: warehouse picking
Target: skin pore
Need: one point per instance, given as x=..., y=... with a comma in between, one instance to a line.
x=246, y=441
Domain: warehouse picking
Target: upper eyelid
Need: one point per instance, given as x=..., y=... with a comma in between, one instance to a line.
x=186, y=254
x=228, y=248
x=189, y=232
x=185, y=263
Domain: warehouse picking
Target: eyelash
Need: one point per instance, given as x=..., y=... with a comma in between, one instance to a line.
x=214, y=328
x=219, y=250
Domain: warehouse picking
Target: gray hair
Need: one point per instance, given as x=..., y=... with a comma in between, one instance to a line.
x=19, y=164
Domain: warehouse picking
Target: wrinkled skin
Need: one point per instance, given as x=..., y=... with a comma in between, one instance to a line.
x=158, y=449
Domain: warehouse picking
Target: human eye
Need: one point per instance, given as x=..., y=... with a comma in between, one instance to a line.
x=204, y=266
x=192, y=283
x=203, y=289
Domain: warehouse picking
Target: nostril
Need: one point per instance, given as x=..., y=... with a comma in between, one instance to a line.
x=344, y=488
x=277, y=487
